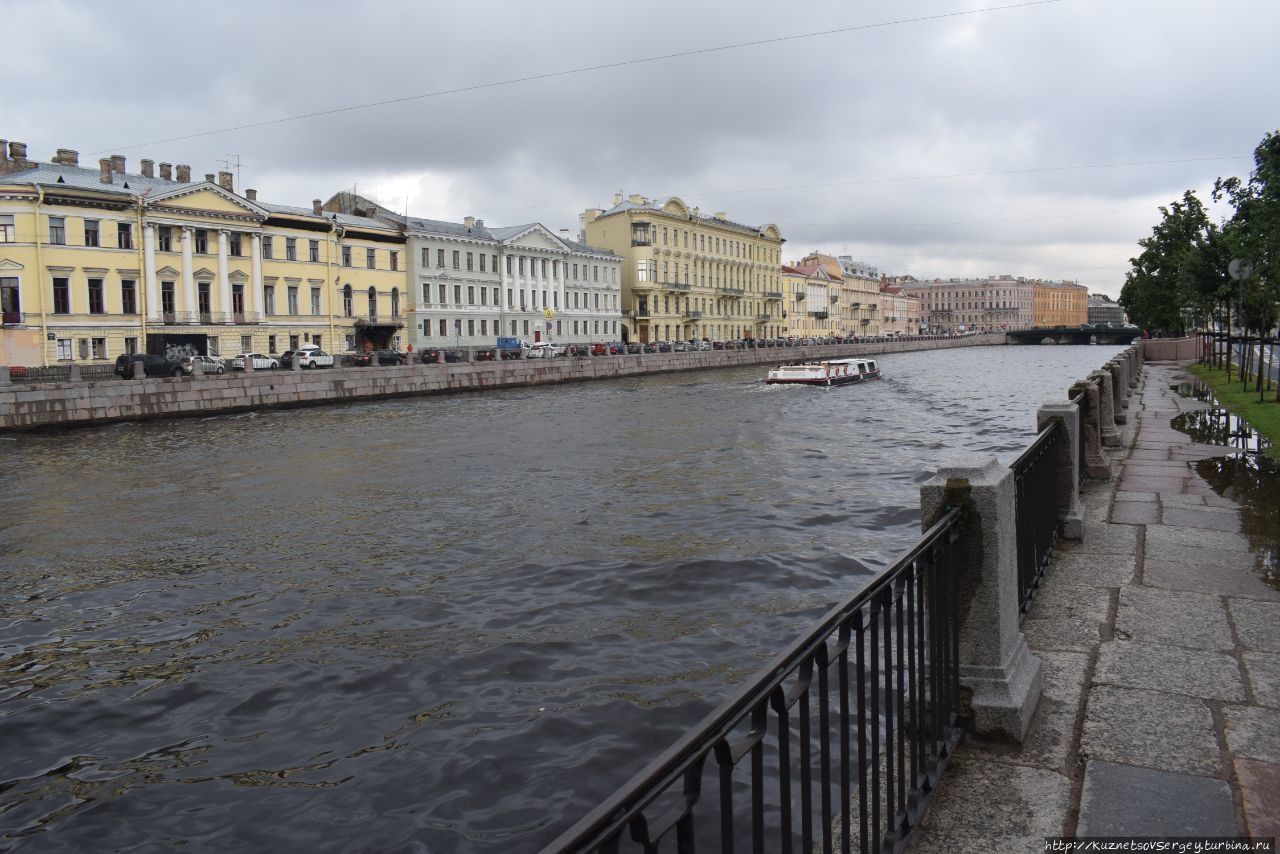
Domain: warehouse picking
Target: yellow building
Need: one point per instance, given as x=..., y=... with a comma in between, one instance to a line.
x=95, y=263
x=810, y=295
x=899, y=311
x=1060, y=304
x=858, y=307
x=686, y=275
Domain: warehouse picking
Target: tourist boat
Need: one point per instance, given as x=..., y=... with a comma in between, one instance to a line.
x=830, y=372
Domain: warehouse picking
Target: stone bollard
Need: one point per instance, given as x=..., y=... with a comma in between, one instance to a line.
x=4, y=375
x=1119, y=389
x=197, y=368
x=1106, y=410
x=997, y=670
x=248, y=364
x=295, y=364
x=1070, y=510
x=139, y=369
x=1135, y=366
x=1095, y=465
x=374, y=360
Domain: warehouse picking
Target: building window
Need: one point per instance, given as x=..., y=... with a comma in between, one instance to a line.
x=293, y=299
x=97, y=305
x=234, y=246
x=64, y=350
x=315, y=301
x=268, y=250
x=268, y=299
x=166, y=299
x=444, y=294
x=10, y=300
x=346, y=256
x=313, y=251
x=202, y=242
x=471, y=262
x=291, y=249
x=484, y=294
x=369, y=261
x=237, y=303
x=471, y=328
x=91, y=236
x=494, y=265
x=395, y=302
x=124, y=235
x=347, y=307
x=471, y=295
x=482, y=262
x=426, y=293
x=440, y=258
x=508, y=265
x=99, y=348
x=61, y=295
x=444, y=327
x=271, y=344
x=395, y=260
x=7, y=229
x=205, y=301
x=457, y=294
x=457, y=260
x=426, y=257
x=130, y=346
x=373, y=302
x=57, y=230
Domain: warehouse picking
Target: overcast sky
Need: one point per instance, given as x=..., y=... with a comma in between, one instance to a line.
x=930, y=137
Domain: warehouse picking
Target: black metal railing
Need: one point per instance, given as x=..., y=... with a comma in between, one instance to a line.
x=1035, y=475
x=840, y=740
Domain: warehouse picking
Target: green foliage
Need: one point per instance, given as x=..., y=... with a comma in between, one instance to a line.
x=1181, y=272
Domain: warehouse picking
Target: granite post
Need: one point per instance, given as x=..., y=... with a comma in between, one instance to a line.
x=1106, y=409
x=1095, y=465
x=73, y=373
x=1120, y=373
x=1070, y=510
x=139, y=369
x=4, y=375
x=999, y=676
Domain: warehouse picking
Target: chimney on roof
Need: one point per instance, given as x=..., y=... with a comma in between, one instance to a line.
x=315, y=206
x=224, y=181
x=117, y=163
x=208, y=177
x=67, y=157
x=166, y=171
x=479, y=223
x=104, y=170
x=16, y=160
x=471, y=222
x=637, y=199
x=251, y=195
x=564, y=232
x=184, y=174
x=617, y=198
x=720, y=215
x=148, y=169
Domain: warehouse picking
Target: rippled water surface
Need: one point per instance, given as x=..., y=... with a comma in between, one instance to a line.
x=445, y=623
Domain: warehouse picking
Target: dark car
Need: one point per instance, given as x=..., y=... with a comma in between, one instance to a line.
x=617, y=348
x=152, y=366
x=385, y=358
x=431, y=357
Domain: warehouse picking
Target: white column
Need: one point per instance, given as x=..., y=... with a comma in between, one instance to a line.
x=256, y=260
x=191, y=304
x=224, y=283
x=149, y=272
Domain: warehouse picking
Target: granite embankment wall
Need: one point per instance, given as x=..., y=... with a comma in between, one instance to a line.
x=57, y=405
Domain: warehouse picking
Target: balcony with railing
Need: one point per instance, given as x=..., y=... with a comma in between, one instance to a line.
x=693, y=315
x=372, y=319
x=774, y=295
x=820, y=314
x=683, y=287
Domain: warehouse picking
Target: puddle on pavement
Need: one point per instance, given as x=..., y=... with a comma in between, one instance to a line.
x=1253, y=482
x=1219, y=427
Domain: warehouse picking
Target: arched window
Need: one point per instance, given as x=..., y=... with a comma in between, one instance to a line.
x=373, y=302
x=395, y=302
x=346, y=301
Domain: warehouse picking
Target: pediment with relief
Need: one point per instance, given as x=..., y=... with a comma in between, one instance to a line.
x=205, y=198
x=536, y=237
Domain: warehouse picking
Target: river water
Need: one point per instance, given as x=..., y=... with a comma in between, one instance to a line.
x=442, y=623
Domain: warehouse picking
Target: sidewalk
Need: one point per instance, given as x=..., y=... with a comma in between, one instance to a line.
x=1160, y=649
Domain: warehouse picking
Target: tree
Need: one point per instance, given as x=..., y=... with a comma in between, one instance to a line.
x=1253, y=232
x=1174, y=273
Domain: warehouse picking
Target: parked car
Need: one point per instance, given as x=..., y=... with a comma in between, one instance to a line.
x=664, y=346
x=617, y=348
x=599, y=349
x=679, y=346
x=152, y=366
x=208, y=364
x=542, y=350
x=313, y=358
x=259, y=363
x=431, y=357
x=634, y=348
x=386, y=358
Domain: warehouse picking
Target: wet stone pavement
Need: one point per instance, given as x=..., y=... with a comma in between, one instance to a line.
x=1160, y=647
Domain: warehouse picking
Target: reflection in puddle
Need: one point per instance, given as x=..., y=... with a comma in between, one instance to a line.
x=1252, y=481
x=1220, y=427
x=1193, y=389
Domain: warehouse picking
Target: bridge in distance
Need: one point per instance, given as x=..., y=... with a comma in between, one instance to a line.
x=1074, y=335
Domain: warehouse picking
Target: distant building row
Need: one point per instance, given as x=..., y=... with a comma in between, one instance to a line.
x=99, y=262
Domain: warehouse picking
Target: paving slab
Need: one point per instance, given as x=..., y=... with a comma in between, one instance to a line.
x=1257, y=624
x=1066, y=615
x=1263, y=671
x=1174, y=618
x=1150, y=729
x=1177, y=536
x=1203, y=518
x=986, y=806
x=1260, y=788
x=1170, y=669
x=1109, y=540
x=1137, y=496
x=1049, y=738
x=1135, y=513
x=1253, y=732
x=1123, y=800
x=1225, y=577
x=1090, y=569
x=1152, y=484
